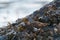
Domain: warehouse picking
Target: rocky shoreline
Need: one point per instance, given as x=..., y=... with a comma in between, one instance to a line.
x=43, y=24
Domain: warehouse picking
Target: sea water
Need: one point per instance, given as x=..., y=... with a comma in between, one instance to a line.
x=11, y=10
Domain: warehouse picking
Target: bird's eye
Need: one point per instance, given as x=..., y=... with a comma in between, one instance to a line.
x=41, y=19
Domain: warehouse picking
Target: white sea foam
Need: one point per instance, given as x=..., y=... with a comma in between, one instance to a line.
x=10, y=10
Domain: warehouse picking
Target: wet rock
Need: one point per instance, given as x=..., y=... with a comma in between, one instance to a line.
x=43, y=24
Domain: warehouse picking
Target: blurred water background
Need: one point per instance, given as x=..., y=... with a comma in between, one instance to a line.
x=11, y=10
